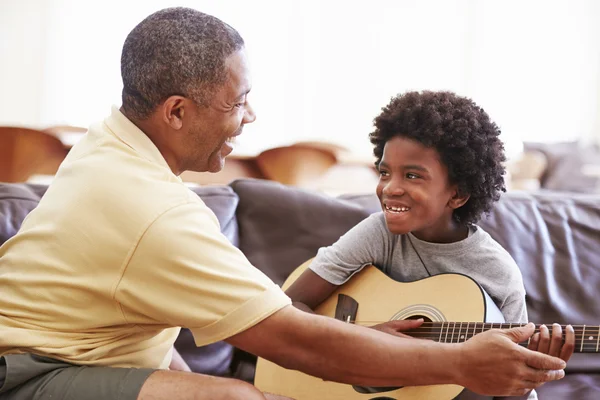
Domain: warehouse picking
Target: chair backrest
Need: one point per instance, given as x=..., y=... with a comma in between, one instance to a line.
x=296, y=165
x=25, y=152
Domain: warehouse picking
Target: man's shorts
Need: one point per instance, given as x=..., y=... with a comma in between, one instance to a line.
x=31, y=377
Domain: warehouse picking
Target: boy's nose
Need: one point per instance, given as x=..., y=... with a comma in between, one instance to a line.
x=393, y=189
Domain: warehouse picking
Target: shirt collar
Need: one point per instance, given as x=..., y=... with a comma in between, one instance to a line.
x=134, y=137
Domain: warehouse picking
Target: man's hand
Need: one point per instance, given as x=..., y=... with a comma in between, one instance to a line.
x=554, y=346
x=397, y=327
x=492, y=363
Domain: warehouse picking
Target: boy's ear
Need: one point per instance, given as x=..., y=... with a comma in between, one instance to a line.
x=458, y=199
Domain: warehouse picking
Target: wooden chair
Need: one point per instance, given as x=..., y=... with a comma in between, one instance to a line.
x=299, y=164
x=25, y=152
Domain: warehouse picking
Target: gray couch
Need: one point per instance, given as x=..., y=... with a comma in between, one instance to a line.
x=554, y=237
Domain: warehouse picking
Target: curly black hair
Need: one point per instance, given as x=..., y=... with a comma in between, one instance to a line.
x=462, y=133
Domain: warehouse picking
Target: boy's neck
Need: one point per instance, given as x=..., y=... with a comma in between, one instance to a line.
x=453, y=233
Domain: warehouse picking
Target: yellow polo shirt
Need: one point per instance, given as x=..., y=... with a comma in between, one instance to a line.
x=117, y=256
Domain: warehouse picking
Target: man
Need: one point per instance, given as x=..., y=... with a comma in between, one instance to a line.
x=119, y=254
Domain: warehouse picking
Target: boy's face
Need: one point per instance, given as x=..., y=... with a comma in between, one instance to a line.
x=415, y=194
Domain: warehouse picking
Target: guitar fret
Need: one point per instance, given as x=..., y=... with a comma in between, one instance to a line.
x=441, y=330
x=582, y=339
x=453, y=329
x=447, y=330
x=598, y=340
x=467, y=334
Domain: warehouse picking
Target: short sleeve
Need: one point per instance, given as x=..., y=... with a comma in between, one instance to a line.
x=514, y=308
x=362, y=245
x=184, y=272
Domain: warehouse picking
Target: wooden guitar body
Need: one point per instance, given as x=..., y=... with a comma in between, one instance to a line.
x=441, y=298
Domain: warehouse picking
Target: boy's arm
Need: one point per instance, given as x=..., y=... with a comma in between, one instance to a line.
x=309, y=290
x=334, y=265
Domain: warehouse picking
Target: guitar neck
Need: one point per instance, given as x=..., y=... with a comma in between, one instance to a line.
x=587, y=337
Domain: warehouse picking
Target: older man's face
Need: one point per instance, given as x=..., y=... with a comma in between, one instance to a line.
x=216, y=126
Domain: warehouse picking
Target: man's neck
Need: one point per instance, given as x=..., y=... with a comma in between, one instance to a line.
x=149, y=127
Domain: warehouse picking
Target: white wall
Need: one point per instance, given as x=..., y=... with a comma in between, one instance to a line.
x=323, y=69
x=23, y=26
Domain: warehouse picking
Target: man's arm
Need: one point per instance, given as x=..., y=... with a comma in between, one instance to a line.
x=490, y=363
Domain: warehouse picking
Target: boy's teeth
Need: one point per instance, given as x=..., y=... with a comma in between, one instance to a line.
x=397, y=209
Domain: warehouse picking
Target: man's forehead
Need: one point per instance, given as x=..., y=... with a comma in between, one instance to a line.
x=238, y=74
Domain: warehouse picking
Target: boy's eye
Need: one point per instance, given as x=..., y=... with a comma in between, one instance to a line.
x=383, y=173
x=412, y=176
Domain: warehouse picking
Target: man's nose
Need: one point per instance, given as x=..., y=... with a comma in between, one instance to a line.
x=249, y=115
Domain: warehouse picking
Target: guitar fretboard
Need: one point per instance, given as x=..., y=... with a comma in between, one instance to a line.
x=587, y=337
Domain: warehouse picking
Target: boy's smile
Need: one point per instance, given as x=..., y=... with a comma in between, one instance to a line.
x=415, y=194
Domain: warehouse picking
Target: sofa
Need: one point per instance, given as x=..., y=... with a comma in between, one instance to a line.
x=554, y=238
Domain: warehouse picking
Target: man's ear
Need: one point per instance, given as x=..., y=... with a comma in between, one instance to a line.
x=173, y=110
x=458, y=199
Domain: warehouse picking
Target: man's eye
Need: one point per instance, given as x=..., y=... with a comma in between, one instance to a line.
x=238, y=105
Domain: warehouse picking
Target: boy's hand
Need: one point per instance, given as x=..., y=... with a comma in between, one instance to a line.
x=396, y=327
x=554, y=345
x=270, y=396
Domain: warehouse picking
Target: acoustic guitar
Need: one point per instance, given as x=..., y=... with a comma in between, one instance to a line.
x=371, y=297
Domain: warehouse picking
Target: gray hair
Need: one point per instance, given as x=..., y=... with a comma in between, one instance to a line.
x=175, y=51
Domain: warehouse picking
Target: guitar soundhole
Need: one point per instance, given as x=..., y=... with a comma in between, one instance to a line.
x=374, y=390
x=426, y=319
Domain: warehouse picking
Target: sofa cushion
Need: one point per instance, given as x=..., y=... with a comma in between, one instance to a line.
x=571, y=387
x=16, y=201
x=281, y=227
x=223, y=201
x=554, y=153
x=578, y=171
x=554, y=238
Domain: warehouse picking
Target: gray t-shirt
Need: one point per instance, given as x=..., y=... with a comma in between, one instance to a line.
x=478, y=256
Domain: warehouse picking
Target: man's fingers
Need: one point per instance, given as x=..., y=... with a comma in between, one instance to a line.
x=537, y=377
x=542, y=361
x=556, y=340
x=569, y=345
x=544, y=344
x=521, y=333
x=534, y=342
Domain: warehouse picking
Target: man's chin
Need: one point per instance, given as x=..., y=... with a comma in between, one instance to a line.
x=216, y=165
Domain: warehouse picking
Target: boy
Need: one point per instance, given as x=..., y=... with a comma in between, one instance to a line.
x=440, y=158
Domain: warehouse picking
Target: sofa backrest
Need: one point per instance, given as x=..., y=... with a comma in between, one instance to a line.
x=281, y=227
x=555, y=239
x=18, y=199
